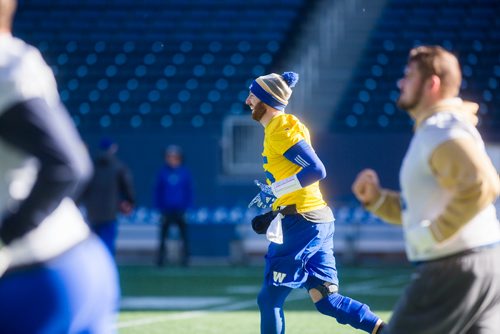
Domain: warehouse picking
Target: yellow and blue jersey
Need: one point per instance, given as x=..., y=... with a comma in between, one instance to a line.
x=283, y=132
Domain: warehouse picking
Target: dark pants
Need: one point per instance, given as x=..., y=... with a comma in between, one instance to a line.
x=168, y=219
x=107, y=232
x=456, y=295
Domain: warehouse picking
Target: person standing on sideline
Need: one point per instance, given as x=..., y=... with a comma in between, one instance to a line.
x=109, y=192
x=301, y=223
x=55, y=276
x=173, y=195
x=448, y=187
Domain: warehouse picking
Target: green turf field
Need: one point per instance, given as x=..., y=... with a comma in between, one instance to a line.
x=219, y=300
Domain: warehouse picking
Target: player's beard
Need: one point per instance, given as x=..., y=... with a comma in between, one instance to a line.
x=412, y=103
x=259, y=110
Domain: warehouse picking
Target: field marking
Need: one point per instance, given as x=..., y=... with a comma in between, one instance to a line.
x=373, y=286
x=192, y=314
x=173, y=303
x=153, y=320
x=243, y=289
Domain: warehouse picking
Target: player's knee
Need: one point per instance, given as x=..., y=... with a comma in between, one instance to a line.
x=321, y=291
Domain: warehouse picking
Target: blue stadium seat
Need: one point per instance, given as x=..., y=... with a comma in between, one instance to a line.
x=469, y=30
x=127, y=53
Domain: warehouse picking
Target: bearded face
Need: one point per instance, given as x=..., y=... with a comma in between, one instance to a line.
x=258, y=107
x=258, y=111
x=410, y=100
x=411, y=88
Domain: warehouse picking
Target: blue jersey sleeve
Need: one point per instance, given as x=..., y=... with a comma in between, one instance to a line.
x=302, y=154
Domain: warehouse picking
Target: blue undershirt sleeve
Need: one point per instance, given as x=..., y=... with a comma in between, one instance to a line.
x=303, y=155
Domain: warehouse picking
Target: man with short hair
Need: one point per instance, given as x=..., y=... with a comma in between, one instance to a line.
x=448, y=187
x=55, y=276
x=300, y=225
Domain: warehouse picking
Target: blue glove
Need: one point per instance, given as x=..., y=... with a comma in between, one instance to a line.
x=265, y=198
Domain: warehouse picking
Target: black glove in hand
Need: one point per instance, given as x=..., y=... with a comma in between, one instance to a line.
x=260, y=223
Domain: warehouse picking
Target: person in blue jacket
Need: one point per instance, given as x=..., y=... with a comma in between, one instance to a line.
x=173, y=195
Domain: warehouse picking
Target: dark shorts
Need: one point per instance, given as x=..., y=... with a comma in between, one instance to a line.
x=307, y=250
x=456, y=295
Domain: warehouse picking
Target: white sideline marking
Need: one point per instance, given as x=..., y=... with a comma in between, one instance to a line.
x=153, y=320
x=374, y=287
x=192, y=314
x=243, y=289
x=165, y=303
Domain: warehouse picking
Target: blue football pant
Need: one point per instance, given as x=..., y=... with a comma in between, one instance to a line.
x=77, y=292
x=344, y=309
x=270, y=300
x=307, y=250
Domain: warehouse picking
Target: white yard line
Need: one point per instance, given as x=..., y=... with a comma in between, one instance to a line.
x=374, y=287
x=153, y=320
x=193, y=314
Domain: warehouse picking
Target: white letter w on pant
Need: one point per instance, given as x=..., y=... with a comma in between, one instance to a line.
x=278, y=277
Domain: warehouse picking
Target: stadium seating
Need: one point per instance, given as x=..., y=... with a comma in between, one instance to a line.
x=135, y=64
x=470, y=29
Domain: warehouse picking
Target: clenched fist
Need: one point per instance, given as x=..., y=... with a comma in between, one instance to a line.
x=366, y=187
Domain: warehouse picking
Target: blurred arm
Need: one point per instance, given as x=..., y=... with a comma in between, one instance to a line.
x=65, y=167
x=387, y=207
x=126, y=185
x=383, y=203
x=467, y=172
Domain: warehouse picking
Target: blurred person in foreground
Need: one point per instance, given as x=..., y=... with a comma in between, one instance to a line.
x=448, y=186
x=300, y=224
x=173, y=195
x=109, y=192
x=55, y=276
